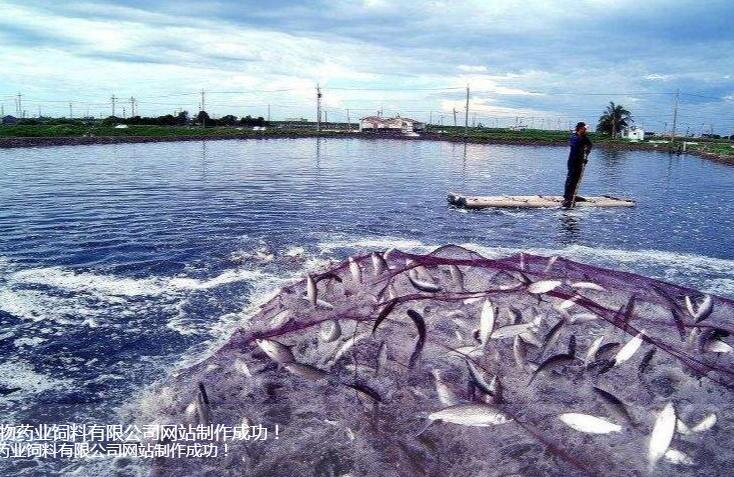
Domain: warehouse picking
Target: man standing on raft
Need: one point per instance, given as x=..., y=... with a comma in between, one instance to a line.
x=580, y=148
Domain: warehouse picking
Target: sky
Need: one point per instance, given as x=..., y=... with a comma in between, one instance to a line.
x=540, y=63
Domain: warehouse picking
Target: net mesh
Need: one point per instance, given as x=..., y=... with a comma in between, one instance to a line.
x=384, y=349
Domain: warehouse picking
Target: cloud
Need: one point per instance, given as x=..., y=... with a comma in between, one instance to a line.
x=518, y=56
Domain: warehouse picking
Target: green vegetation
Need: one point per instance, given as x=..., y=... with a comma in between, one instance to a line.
x=614, y=119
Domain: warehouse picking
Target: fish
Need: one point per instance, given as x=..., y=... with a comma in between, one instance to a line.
x=531, y=338
x=420, y=324
x=423, y=285
x=472, y=300
x=478, y=378
x=572, y=345
x=276, y=351
x=515, y=314
x=662, y=435
x=520, y=352
x=347, y=345
x=554, y=362
x=552, y=337
x=588, y=286
x=550, y=264
x=646, y=360
x=473, y=414
x=510, y=331
x=320, y=303
x=486, y=322
x=717, y=346
x=682, y=428
x=588, y=423
x=544, y=286
x=311, y=290
x=466, y=351
x=606, y=348
x=366, y=390
x=582, y=318
x=241, y=367
x=614, y=405
x=281, y=319
x=379, y=265
x=629, y=349
x=445, y=394
x=381, y=358
x=566, y=304
x=386, y=310
x=391, y=293
x=355, y=270
x=705, y=424
x=329, y=331
x=457, y=276
x=592, y=350
x=306, y=371
x=203, y=409
x=703, y=310
x=675, y=456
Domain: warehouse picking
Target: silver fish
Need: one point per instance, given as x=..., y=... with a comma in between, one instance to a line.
x=276, y=351
x=550, y=264
x=306, y=371
x=355, y=270
x=588, y=286
x=520, y=352
x=486, y=322
x=478, y=378
x=381, y=358
x=445, y=394
x=675, y=456
x=347, y=345
x=702, y=311
x=379, y=265
x=629, y=349
x=423, y=285
x=662, y=435
x=311, y=291
x=544, y=286
x=330, y=331
x=589, y=424
x=281, y=319
x=457, y=276
x=475, y=414
x=551, y=338
x=510, y=331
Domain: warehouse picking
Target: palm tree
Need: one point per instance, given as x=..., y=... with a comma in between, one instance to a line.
x=614, y=119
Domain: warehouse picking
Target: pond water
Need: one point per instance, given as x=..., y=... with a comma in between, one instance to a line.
x=119, y=263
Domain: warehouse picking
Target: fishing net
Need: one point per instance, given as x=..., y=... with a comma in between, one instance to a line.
x=451, y=364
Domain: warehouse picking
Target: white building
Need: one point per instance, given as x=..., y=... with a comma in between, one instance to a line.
x=397, y=124
x=633, y=133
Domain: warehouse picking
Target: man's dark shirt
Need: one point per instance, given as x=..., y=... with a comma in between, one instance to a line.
x=578, y=144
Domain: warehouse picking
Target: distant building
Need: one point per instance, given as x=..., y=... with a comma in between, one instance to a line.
x=10, y=120
x=378, y=124
x=633, y=133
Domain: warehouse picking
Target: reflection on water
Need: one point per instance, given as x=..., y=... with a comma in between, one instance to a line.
x=570, y=227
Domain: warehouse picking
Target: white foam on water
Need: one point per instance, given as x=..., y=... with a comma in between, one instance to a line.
x=225, y=278
x=376, y=243
x=20, y=374
x=88, y=282
x=36, y=340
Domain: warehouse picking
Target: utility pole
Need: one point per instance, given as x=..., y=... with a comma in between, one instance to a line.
x=203, y=108
x=124, y=113
x=132, y=107
x=268, y=113
x=71, y=111
x=113, y=105
x=454, y=116
x=675, y=113
x=318, y=108
x=349, y=123
x=20, y=105
x=466, y=113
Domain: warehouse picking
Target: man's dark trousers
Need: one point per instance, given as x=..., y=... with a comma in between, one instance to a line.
x=575, y=166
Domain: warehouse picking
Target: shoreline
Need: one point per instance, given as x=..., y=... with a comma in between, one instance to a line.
x=31, y=142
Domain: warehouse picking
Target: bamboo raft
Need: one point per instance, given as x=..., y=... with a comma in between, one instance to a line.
x=533, y=201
